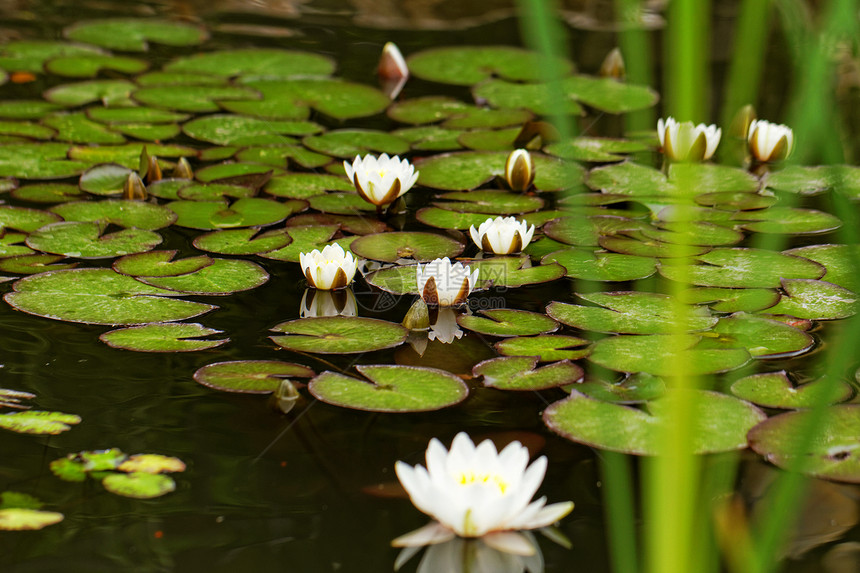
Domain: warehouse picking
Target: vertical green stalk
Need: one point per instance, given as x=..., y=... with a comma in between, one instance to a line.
x=687, y=53
x=636, y=48
x=619, y=511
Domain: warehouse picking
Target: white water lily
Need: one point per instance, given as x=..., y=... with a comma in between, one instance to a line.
x=328, y=269
x=317, y=303
x=502, y=235
x=770, y=141
x=519, y=170
x=475, y=491
x=445, y=284
x=381, y=180
x=683, y=141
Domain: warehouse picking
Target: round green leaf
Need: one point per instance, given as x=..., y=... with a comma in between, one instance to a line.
x=87, y=240
x=38, y=422
x=595, y=149
x=159, y=264
x=127, y=155
x=390, y=389
x=659, y=354
x=249, y=376
x=788, y=220
x=249, y=212
x=445, y=219
x=390, y=247
x=305, y=185
x=254, y=62
x=347, y=143
x=133, y=34
x=734, y=299
x=602, y=266
x=163, y=337
x=742, y=267
x=134, y=115
x=508, y=322
x=241, y=130
x=139, y=485
x=137, y=214
x=38, y=161
x=192, y=98
x=349, y=203
x=815, y=300
x=222, y=277
x=48, y=193
x=634, y=389
x=18, y=519
x=89, y=65
x=776, y=390
x=106, y=179
x=32, y=264
x=242, y=241
x=490, y=202
x=468, y=65
x=520, y=373
x=815, y=180
x=30, y=55
x=762, y=337
x=23, y=219
x=837, y=259
x=547, y=348
x=338, y=335
x=73, y=95
x=304, y=240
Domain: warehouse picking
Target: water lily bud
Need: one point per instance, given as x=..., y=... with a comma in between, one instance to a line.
x=417, y=317
x=519, y=170
x=502, y=235
x=770, y=141
x=133, y=189
x=444, y=284
x=183, y=169
x=392, y=65
x=613, y=65
x=683, y=141
x=284, y=397
x=331, y=268
x=381, y=180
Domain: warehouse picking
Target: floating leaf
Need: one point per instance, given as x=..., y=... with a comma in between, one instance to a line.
x=127, y=155
x=831, y=453
x=254, y=62
x=48, y=193
x=23, y=219
x=734, y=299
x=192, y=98
x=159, y=264
x=347, y=143
x=595, y=149
x=470, y=169
x=18, y=519
x=840, y=261
x=490, y=202
x=720, y=422
x=355, y=224
x=634, y=389
x=520, y=373
x=89, y=65
x=508, y=322
x=88, y=240
x=390, y=389
x=134, y=115
x=305, y=185
x=241, y=130
x=152, y=464
x=468, y=65
x=547, y=348
x=30, y=55
x=31, y=264
x=304, y=240
x=602, y=266
x=133, y=34
x=249, y=212
x=762, y=337
x=788, y=220
x=38, y=422
x=445, y=219
x=457, y=114
x=249, y=376
x=222, y=277
x=139, y=485
x=73, y=95
x=243, y=241
x=137, y=214
x=815, y=300
x=340, y=203
x=99, y=296
x=163, y=337
x=15, y=499
x=338, y=335
x=815, y=180
x=659, y=354
x=514, y=271
x=390, y=247
x=742, y=267
x=38, y=161
x=776, y=390
x=26, y=129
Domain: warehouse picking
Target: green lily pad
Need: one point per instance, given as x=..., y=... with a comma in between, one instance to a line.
x=832, y=453
x=10, y=244
x=248, y=241
x=430, y=138
x=659, y=354
x=776, y=390
x=602, y=266
x=586, y=231
x=514, y=271
x=390, y=247
x=720, y=422
x=341, y=203
x=166, y=188
x=455, y=113
x=603, y=94
x=127, y=155
x=338, y=335
x=249, y=212
x=26, y=129
x=27, y=109
x=78, y=128
x=521, y=373
x=139, y=485
x=815, y=180
x=547, y=348
x=839, y=260
x=214, y=192
x=229, y=172
x=508, y=322
x=99, y=296
x=38, y=422
x=692, y=233
x=249, y=376
x=354, y=224
x=134, y=34
x=19, y=519
x=734, y=299
x=159, y=264
x=147, y=131
x=222, y=277
x=279, y=155
x=595, y=149
x=490, y=202
x=87, y=240
x=491, y=139
x=293, y=99
x=742, y=267
x=193, y=98
x=304, y=240
x=630, y=313
x=76, y=467
x=468, y=65
x=89, y=65
x=23, y=219
x=105, y=179
x=48, y=193
x=152, y=464
x=762, y=337
x=347, y=143
x=80, y=93
x=139, y=114
x=731, y=200
x=15, y=499
x=146, y=216
x=163, y=337
x=305, y=185
x=390, y=389
x=640, y=245
x=38, y=161
x=788, y=220
x=634, y=389
x=254, y=61
x=241, y=130
x=815, y=300
x=30, y=55
x=33, y=264
x=445, y=219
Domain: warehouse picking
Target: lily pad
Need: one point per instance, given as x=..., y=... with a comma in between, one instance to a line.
x=80, y=93
x=23, y=219
x=338, y=335
x=192, y=98
x=815, y=300
x=788, y=220
x=32, y=264
x=547, y=348
x=19, y=518
x=305, y=185
x=445, y=219
x=602, y=266
x=340, y=203
x=354, y=224
x=595, y=149
x=30, y=55
x=734, y=299
x=248, y=241
x=134, y=34
x=139, y=485
x=390, y=247
x=840, y=261
x=814, y=180
x=470, y=169
x=78, y=128
x=105, y=179
x=38, y=161
x=249, y=376
x=48, y=193
x=99, y=296
x=347, y=143
x=832, y=453
x=146, y=216
x=304, y=240
x=630, y=313
x=762, y=337
x=490, y=202
x=278, y=154
x=249, y=212
x=88, y=240
x=222, y=277
x=776, y=390
x=38, y=422
x=163, y=337
x=390, y=389
x=468, y=65
x=138, y=114
x=152, y=464
x=634, y=389
x=455, y=113
x=508, y=322
x=242, y=130
x=742, y=267
x=89, y=65
x=26, y=129
x=127, y=155
x=521, y=373
x=255, y=62
x=720, y=422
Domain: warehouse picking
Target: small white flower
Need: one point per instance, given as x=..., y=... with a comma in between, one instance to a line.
x=330, y=269
x=476, y=492
x=445, y=284
x=316, y=303
x=381, y=180
x=519, y=170
x=770, y=141
x=502, y=235
x=683, y=141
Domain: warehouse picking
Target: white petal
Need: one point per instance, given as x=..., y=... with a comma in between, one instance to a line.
x=547, y=515
x=432, y=533
x=510, y=542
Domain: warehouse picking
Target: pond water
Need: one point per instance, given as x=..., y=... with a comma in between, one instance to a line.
x=314, y=489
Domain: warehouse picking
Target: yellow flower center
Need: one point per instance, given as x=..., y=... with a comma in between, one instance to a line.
x=381, y=173
x=469, y=478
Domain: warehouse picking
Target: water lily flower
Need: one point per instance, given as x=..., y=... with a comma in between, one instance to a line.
x=330, y=269
x=519, y=170
x=770, y=141
x=445, y=284
x=683, y=141
x=381, y=180
x=392, y=70
x=475, y=491
x=316, y=303
x=502, y=235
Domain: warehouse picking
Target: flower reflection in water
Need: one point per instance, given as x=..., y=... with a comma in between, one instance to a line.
x=316, y=303
x=461, y=555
